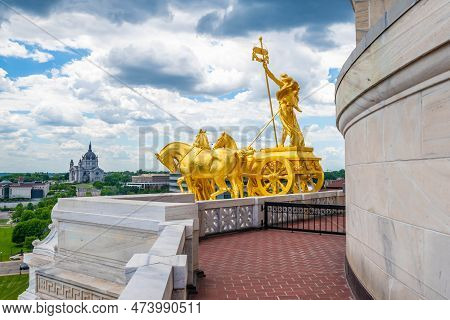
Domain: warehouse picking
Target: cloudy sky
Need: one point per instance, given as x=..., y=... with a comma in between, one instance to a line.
x=78, y=71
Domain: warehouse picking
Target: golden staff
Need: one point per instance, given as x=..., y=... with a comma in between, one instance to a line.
x=263, y=128
x=265, y=59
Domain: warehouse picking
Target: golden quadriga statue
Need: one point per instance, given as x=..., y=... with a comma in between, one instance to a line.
x=209, y=172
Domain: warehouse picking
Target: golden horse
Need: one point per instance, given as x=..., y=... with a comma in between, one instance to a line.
x=246, y=155
x=225, y=141
x=196, y=164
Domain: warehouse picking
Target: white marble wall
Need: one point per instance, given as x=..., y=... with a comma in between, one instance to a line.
x=163, y=272
x=398, y=172
x=92, y=240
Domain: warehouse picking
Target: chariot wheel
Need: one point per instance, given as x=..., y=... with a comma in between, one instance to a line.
x=275, y=177
x=311, y=182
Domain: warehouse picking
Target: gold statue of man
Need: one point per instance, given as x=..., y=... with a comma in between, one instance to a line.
x=287, y=98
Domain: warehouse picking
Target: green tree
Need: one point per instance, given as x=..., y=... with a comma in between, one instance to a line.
x=16, y=215
x=108, y=191
x=43, y=213
x=28, y=243
x=333, y=175
x=98, y=185
x=27, y=215
x=30, y=206
x=34, y=227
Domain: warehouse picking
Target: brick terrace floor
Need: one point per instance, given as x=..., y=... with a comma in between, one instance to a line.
x=273, y=264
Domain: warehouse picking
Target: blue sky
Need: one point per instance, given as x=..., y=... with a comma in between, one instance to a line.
x=21, y=67
x=100, y=70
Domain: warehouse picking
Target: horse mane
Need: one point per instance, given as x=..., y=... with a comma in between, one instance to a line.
x=167, y=146
x=229, y=141
x=163, y=154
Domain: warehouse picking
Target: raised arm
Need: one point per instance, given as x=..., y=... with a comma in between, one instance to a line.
x=272, y=76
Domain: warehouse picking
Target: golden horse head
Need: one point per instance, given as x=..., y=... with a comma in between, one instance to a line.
x=225, y=141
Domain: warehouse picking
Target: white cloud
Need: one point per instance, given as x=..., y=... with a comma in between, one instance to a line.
x=80, y=102
x=71, y=145
x=54, y=115
x=314, y=133
x=5, y=83
x=10, y=48
x=333, y=158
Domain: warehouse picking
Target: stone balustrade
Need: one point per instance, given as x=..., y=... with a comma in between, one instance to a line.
x=230, y=215
x=91, y=250
x=137, y=247
x=162, y=273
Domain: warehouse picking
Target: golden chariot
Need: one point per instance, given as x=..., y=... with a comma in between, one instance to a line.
x=283, y=170
x=209, y=172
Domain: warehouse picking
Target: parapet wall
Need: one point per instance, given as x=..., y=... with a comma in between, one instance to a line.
x=393, y=108
x=141, y=247
x=231, y=215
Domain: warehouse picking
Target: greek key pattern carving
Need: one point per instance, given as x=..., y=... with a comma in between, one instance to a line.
x=64, y=291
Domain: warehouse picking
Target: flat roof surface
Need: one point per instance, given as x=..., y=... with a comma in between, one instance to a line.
x=273, y=264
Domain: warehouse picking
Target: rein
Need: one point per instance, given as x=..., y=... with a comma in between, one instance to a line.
x=177, y=166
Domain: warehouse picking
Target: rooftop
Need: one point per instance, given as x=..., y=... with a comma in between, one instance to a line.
x=273, y=264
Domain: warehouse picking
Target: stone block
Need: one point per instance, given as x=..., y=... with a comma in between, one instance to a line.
x=400, y=244
x=170, y=242
x=180, y=268
x=399, y=291
x=356, y=151
x=136, y=261
x=436, y=121
x=153, y=282
x=369, y=187
x=437, y=263
x=190, y=224
x=419, y=192
x=375, y=140
x=357, y=223
x=402, y=130
x=179, y=294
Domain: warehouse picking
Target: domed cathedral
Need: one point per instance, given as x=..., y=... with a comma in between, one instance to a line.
x=87, y=169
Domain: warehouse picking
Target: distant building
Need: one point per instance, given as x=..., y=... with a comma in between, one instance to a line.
x=23, y=190
x=149, y=181
x=173, y=185
x=174, y=188
x=338, y=184
x=4, y=189
x=87, y=169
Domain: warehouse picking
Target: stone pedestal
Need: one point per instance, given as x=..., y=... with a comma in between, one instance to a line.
x=92, y=240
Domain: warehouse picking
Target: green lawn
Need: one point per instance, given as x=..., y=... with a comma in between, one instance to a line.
x=12, y=286
x=6, y=244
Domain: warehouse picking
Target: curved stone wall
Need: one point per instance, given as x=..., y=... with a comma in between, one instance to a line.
x=393, y=108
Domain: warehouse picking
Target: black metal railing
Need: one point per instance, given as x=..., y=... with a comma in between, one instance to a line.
x=318, y=218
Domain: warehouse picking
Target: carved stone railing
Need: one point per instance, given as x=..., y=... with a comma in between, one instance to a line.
x=93, y=241
x=231, y=215
x=146, y=247
x=166, y=270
